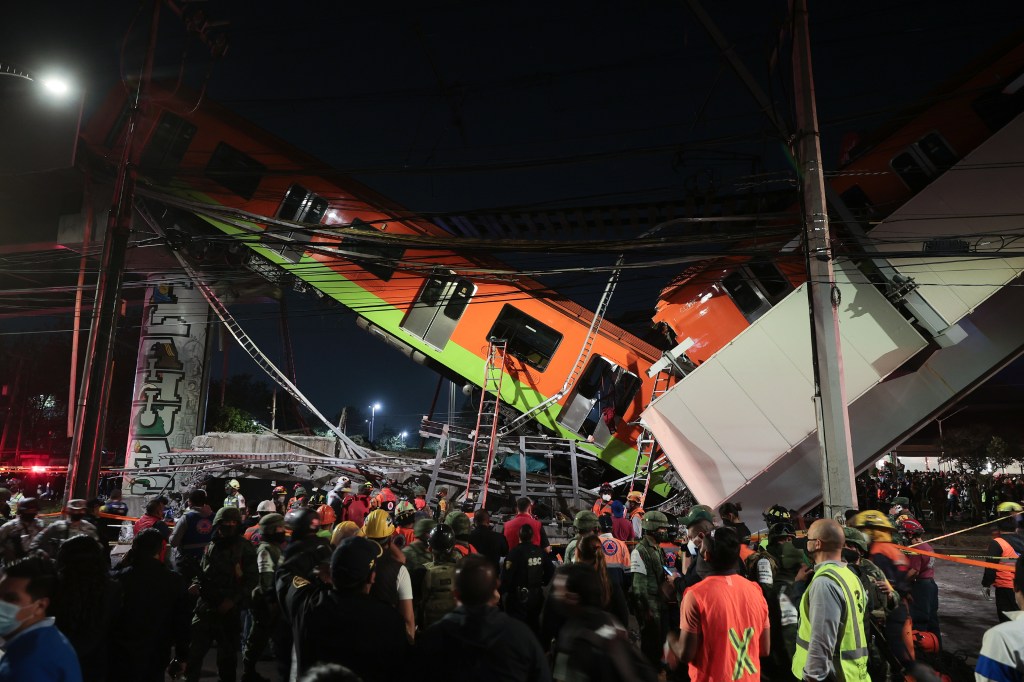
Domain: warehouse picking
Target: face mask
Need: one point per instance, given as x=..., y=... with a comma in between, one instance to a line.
x=692, y=546
x=228, y=531
x=850, y=556
x=606, y=498
x=9, y=621
x=76, y=517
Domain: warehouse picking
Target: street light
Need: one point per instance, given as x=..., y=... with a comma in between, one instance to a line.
x=373, y=413
x=403, y=434
x=54, y=83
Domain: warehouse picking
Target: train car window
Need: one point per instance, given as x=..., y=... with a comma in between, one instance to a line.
x=382, y=257
x=167, y=147
x=531, y=341
x=301, y=206
x=937, y=151
x=464, y=290
x=235, y=170
x=626, y=388
x=432, y=291
x=602, y=395
x=771, y=279
x=910, y=170
x=743, y=293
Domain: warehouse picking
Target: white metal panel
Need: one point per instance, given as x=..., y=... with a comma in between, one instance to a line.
x=750, y=405
x=980, y=201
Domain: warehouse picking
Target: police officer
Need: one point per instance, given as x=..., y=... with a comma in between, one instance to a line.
x=585, y=524
x=16, y=536
x=227, y=577
x=524, y=573
x=649, y=599
x=265, y=610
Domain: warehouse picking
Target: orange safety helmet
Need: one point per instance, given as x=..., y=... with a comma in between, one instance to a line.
x=327, y=515
x=926, y=642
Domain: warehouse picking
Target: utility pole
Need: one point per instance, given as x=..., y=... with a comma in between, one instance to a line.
x=837, y=477
x=91, y=412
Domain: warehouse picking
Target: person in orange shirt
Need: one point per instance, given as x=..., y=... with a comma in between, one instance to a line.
x=405, y=517
x=635, y=509
x=723, y=619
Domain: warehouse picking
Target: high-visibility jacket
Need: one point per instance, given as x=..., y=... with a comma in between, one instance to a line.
x=1005, y=578
x=852, y=641
x=602, y=507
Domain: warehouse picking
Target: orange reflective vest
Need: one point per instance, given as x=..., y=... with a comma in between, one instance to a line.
x=1005, y=578
x=602, y=507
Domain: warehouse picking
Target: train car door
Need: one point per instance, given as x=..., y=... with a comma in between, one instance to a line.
x=438, y=308
x=602, y=394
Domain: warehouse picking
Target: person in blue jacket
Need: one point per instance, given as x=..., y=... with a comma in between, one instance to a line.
x=34, y=649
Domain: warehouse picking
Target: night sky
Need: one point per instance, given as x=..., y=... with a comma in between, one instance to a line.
x=452, y=106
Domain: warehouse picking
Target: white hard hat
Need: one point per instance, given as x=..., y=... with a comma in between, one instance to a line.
x=266, y=506
x=233, y=483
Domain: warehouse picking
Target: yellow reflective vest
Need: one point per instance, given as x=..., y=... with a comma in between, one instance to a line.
x=850, y=659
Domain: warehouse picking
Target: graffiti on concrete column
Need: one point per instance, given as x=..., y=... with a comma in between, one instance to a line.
x=169, y=376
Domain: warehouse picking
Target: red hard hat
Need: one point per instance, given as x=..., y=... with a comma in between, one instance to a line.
x=926, y=642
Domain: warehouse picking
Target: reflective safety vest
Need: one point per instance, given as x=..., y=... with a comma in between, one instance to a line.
x=1005, y=578
x=850, y=659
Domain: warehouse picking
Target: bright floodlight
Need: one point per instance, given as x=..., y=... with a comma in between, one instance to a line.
x=57, y=86
x=376, y=406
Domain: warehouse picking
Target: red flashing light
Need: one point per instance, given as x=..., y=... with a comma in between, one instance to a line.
x=38, y=469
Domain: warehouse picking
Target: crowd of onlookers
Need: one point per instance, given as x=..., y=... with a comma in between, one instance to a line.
x=365, y=581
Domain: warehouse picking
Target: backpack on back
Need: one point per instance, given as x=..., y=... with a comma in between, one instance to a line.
x=438, y=595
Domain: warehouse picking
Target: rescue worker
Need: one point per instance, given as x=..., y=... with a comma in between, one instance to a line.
x=1007, y=544
x=359, y=507
x=233, y=497
x=604, y=500
x=647, y=595
x=115, y=504
x=392, y=584
x=435, y=579
x=419, y=501
x=253, y=533
x=386, y=499
x=776, y=514
x=264, y=608
x=635, y=511
x=227, y=577
x=894, y=564
x=57, y=533
x=461, y=524
x=327, y=520
x=824, y=635
x=300, y=498
x=405, y=516
x=616, y=553
x=336, y=496
x=280, y=497
x=524, y=573
x=442, y=504
x=417, y=552
x=153, y=518
x=191, y=534
x=585, y=524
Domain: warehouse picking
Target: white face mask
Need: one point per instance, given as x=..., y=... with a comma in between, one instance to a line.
x=606, y=498
x=9, y=621
x=692, y=547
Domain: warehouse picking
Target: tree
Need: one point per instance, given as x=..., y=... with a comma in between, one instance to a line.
x=228, y=419
x=967, y=447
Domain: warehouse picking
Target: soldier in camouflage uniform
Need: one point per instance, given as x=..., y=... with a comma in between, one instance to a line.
x=266, y=613
x=417, y=554
x=227, y=577
x=585, y=524
x=647, y=566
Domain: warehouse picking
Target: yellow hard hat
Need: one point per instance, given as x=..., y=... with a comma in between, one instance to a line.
x=378, y=525
x=872, y=518
x=635, y=496
x=1009, y=508
x=233, y=483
